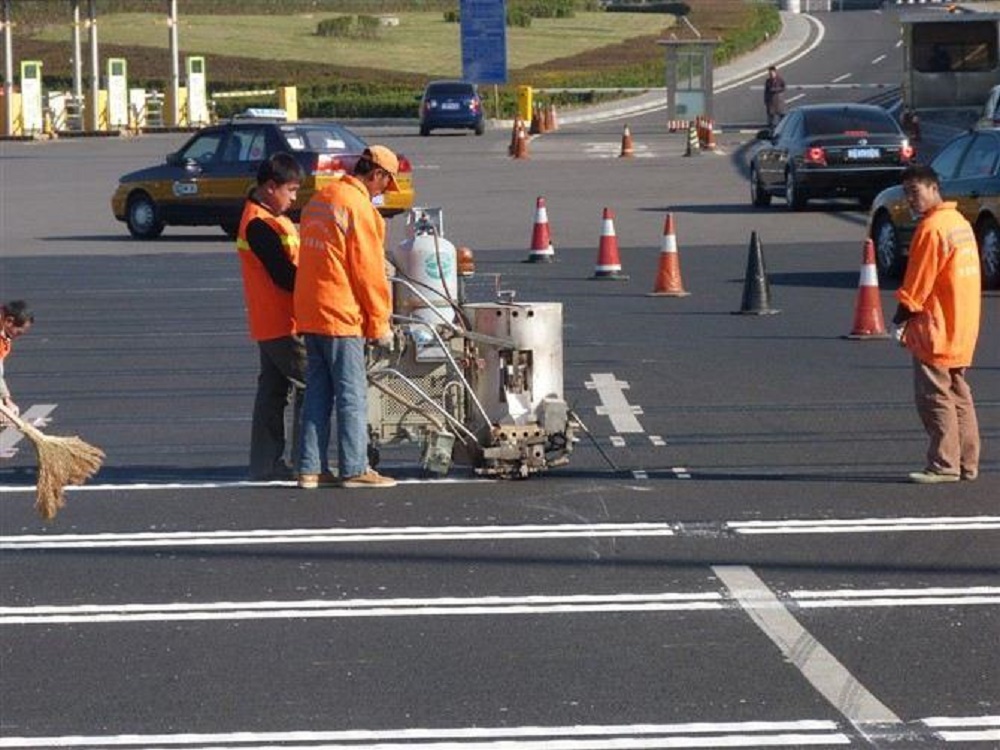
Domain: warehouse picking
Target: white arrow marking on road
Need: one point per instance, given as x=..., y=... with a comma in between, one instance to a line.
x=37, y=416
x=611, y=391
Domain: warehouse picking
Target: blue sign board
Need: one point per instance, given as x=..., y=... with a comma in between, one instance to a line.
x=484, y=41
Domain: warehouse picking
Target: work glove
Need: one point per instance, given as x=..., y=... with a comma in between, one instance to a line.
x=897, y=330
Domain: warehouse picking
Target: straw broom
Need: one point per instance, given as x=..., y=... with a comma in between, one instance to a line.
x=61, y=461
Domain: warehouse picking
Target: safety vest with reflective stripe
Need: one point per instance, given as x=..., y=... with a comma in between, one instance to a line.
x=269, y=307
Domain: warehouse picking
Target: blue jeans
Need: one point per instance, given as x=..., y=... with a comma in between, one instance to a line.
x=335, y=375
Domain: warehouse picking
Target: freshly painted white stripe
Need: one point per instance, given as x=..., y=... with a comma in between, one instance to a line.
x=917, y=601
x=614, y=405
x=311, y=609
x=681, y=473
x=697, y=734
x=900, y=593
x=879, y=59
x=867, y=525
x=657, y=440
x=617, y=441
x=844, y=77
x=986, y=735
x=331, y=536
x=640, y=474
x=830, y=678
x=937, y=722
x=150, y=486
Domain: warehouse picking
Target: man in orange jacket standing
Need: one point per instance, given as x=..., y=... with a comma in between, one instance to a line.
x=939, y=307
x=341, y=299
x=268, y=245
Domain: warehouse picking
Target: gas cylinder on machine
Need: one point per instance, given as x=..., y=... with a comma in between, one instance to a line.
x=429, y=261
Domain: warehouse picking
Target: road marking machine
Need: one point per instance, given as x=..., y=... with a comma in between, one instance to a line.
x=472, y=383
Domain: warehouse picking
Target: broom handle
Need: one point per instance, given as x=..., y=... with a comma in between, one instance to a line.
x=28, y=429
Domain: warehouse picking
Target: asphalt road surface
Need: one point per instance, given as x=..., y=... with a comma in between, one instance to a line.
x=736, y=561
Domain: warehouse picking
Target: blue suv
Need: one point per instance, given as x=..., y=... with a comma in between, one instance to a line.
x=451, y=104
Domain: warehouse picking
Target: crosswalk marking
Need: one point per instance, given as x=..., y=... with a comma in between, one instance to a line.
x=37, y=416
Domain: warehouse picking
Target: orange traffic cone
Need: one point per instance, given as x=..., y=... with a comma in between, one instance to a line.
x=668, y=278
x=627, y=148
x=553, y=120
x=708, y=135
x=609, y=265
x=546, y=120
x=513, y=135
x=541, y=242
x=521, y=144
x=536, y=121
x=868, y=320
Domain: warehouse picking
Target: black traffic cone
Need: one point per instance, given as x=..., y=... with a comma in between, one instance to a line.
x=756, y=289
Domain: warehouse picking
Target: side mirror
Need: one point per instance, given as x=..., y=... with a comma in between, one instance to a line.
x=191, y=165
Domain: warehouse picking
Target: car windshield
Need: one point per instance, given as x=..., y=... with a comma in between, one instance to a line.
x=450, y=89
x=322, y=137
x=848, y=122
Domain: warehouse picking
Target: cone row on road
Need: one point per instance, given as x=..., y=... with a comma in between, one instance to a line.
x=668, y=277
x=541, y=239
x=609, y=265
x=868, y=320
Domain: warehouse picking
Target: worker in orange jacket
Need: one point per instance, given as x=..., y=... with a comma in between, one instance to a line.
x=268, y=247
x=341, y=300
x=15, y=320
x=939, y=309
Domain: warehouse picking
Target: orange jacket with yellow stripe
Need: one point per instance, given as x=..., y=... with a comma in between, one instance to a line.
x=341, y=288
x=942, y=286
x=269, y=307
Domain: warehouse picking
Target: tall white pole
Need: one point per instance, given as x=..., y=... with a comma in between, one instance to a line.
x=77, y=55
x=8, y=70
x=175, y=68
x=93, y=111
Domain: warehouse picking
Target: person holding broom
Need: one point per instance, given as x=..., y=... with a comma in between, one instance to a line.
x=15, y=322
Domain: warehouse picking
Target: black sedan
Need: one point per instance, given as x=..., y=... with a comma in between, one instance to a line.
x=829, y=151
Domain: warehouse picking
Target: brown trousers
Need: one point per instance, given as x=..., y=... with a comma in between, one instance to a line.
x=944, y=403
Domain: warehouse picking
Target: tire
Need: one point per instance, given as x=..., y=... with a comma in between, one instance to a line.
x=425, y=131
x=795, y=195
x=988, y=236
x=888, y=253
x=142, y=218
x=480, y=128
x=759, y=196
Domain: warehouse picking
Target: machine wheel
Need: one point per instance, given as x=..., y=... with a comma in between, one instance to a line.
x=888, y=255
x=758, y=194
x=988, y=233
x=141, y=217
x=795, y=195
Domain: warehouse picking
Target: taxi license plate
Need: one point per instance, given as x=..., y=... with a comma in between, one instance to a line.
x=863, y=153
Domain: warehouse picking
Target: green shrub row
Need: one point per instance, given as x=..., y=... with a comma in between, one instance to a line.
x=349, y=27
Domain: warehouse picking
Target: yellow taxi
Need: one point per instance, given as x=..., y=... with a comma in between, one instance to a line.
x=206, y=181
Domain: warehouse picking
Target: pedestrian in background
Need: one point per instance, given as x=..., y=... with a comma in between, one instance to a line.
x=268, y=246
x=15, y=321
x=774, y=97
x=939, y=309
x=341, y=299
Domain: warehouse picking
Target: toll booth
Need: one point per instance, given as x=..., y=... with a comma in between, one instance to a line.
x=690, y=77
x=117, y=93
x=32, y=119
x=197, y=98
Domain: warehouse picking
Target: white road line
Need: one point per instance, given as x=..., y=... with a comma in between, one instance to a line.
x=640, y=474
x=928, y=597
x=827, y=675
x=844, y=77
x=681, y=473
x=867, y=525
x=36, y=415
x=354, y=608
x=153, y=486
x=331, y=536
x=879, y=59
x=657, y=440
x=580, y=737
x=965, y=728
x=820, y=34
x=617, y=441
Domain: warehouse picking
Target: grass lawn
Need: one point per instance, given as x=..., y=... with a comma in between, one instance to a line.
x=422, y=43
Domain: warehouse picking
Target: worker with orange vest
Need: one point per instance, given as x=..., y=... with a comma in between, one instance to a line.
x=268, y=247
x=341, y=299
x=939, y=309
x=15, y=320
